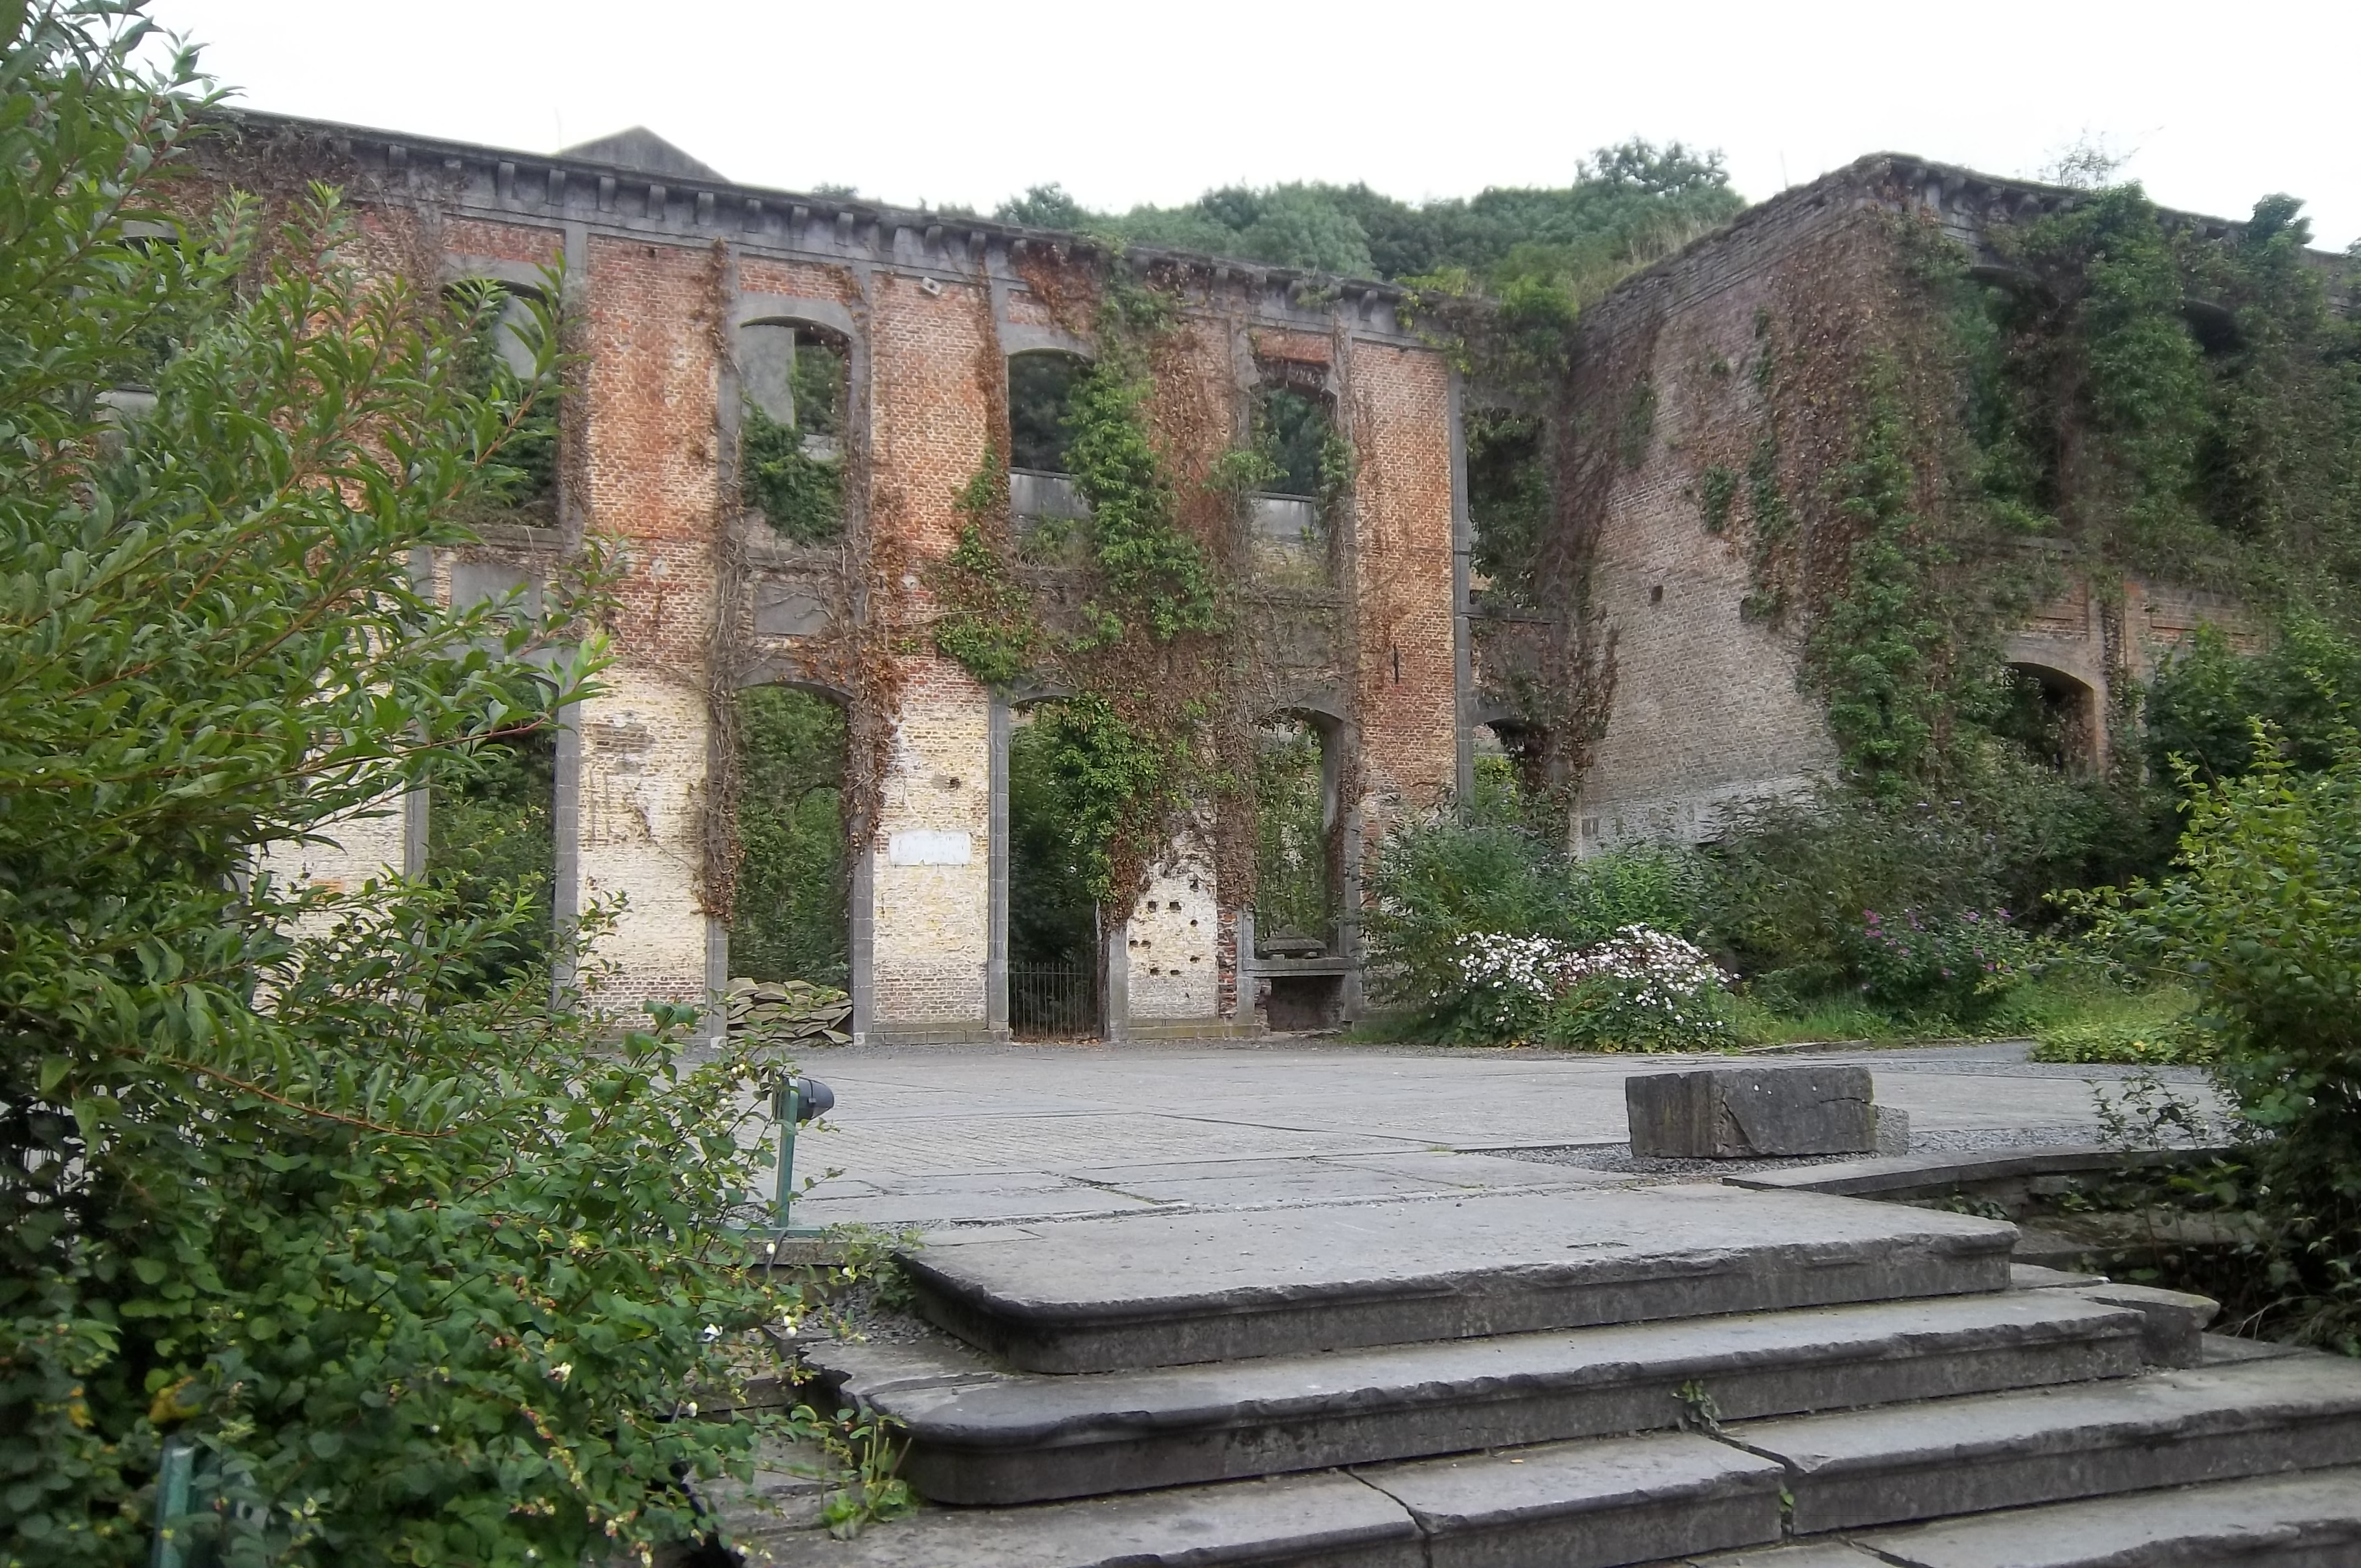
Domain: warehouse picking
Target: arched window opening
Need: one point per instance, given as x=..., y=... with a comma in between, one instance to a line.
x=1053, y=921
x=1508, y=500
x=791, y=918
x=1295, y=904
x=2051, y=715
x=502, y=327
x=797, y=379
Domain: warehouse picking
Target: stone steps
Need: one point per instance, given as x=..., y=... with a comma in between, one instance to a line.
x=1996, y=1451
x=2307, y=1520
x=1165, y=1290
x=1582, y=1379
x=1667, y=1499
x=979, y=1436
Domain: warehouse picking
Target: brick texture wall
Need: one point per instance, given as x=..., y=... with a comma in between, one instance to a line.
x=659, y=269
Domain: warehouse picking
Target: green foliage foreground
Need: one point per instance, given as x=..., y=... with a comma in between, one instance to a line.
x=427, y=1270
x=2263, y=924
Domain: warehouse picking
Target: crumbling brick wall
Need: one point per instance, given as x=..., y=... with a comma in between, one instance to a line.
x=664, y=272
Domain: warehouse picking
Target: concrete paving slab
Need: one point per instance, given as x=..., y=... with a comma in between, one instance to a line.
x=1163, y=1290
x=1304, y=1521
x=2310, y=1520
x=978, y=1436
x=1588, y=1504
x=1994, y=1450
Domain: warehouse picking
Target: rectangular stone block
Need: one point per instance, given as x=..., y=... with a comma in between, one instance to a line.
x=1750, y=1112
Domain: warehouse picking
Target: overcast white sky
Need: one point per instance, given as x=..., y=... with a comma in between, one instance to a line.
x=910, y=100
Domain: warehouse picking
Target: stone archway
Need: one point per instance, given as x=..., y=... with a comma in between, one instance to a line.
x=2056, y=716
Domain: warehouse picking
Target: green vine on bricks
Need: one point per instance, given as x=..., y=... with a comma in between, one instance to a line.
x=988, y=624
x=1717, y=492
x=1877, y=651
x=802, y=496
x=1136, y=649
x=1152, y=569
x=1128, y=778
x=1773, y=523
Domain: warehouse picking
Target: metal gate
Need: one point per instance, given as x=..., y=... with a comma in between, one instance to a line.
x=1053, y=1002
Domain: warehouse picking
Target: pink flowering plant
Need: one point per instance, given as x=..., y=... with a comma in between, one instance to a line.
x=1956, y=963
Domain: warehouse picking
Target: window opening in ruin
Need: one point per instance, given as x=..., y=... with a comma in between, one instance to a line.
x=496, y=360
x=791, y=918
x=491, y=840
x=1040, y=395
x=1303, y=462
x=1507, y=503
x=791, y=433
x=1295, y=904
x=2050, y=714
x=1044, y=503
x=1053, y=921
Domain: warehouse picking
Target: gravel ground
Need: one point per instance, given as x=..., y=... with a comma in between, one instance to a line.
x=1619, y=1157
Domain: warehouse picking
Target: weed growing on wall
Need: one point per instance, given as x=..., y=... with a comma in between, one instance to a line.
x=800, y=495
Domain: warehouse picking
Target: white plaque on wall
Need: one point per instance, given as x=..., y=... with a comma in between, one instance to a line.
x=928, y=846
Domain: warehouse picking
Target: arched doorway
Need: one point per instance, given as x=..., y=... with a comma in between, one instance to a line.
x=2053, y=715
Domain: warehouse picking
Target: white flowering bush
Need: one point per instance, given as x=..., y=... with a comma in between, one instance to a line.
x=1640, y=990
x=1507, y=984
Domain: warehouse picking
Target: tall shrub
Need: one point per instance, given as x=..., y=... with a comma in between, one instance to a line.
x=426, y=1269
x=2263, y=920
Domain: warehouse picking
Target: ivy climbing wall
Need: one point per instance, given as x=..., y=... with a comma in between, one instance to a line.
x=1180, y=650
x=1827, y=470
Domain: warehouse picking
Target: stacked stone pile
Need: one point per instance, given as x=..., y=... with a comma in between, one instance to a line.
x=788, y=1015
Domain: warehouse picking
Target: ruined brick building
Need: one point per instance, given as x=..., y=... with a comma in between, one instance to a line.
x=690, y=301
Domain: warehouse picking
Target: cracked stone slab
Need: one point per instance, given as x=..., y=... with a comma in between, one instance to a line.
x=1752, y=1113
x=2308, y=1520
x=1597, y=1504
x=1303, y=1521
x=978, y=1436
x=1997, y=1451
x=1165, y=1289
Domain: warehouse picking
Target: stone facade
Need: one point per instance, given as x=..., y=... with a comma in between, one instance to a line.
x=1708, y=709
x=668, y=271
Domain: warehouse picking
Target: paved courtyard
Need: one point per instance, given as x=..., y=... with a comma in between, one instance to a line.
x=965, y=1136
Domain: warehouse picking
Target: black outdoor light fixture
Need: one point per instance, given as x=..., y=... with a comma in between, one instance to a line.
x=793, y=1103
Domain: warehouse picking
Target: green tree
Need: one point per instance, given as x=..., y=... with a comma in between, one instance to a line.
x=424, y=1268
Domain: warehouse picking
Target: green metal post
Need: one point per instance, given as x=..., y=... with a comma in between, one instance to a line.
x=783, y=1201
x=172, y=1477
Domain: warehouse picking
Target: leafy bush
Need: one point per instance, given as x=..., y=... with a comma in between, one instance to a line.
x=426, y=1269
x=2153, y=1045
x=2264, y=923
x=1437, y=883
x=1792, y=877
x=2203, y=705
x=1954, y=962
